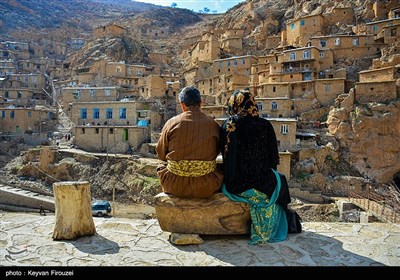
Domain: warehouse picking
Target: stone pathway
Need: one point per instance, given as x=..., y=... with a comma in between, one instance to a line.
x=26, y=240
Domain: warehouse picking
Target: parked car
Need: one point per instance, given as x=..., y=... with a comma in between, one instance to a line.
x=101, y=208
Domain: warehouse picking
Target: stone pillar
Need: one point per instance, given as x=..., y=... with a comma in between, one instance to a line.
x=73, y=210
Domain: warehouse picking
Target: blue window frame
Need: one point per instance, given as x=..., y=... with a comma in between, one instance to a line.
x=83, y=113
x=122, y=113
x=12, y=114
x=109, y=113
x=96, y=113
x=292, y=25
x=302, y=23
x=3, y=114
x=274, y=106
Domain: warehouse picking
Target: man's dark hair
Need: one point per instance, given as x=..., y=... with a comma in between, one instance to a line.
x=190, y=96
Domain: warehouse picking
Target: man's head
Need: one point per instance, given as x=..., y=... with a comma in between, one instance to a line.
x=190, y=96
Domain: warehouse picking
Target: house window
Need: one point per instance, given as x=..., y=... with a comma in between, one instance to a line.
x=122, y=113
x=77, y=93
x=292, y=26
x=107, y=92
x=356, y=41
x=321, y=54
x=243, y=61
x=83, y=130
x=274, y=106
x=3, y=114
x=139, y=72
x=393, y=32
x=376, y=28
x=307, y=54
x=30, y=114
x=6, y=94
x=323, y=43
x=228, y=63
x=292, y=56
x=111, y=130
x=19, y=94
x=273, y=89
x=109, y=113
x=284, y=129
x=235, y=62
x=327, y=87
x=96, y=113
x=302, y=23
x=118, y=69
x=337, y=41
x=92, y=92
x=83, y=113
x=12, y=114
x=50, y=115
x=130, y=71
x=97, y=130
x=259, y=106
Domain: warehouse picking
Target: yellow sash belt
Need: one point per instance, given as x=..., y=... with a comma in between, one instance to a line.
x=191, y=168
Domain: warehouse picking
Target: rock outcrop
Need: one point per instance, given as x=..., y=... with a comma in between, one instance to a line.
x=217, y=215
x=369, y=135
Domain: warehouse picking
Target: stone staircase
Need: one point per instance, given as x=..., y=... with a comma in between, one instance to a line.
x=17, y=199
x=382, y=212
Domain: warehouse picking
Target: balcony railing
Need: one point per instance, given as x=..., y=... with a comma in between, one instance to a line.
x=296, y=70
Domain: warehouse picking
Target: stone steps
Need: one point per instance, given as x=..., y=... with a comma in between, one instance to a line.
x=13, y=196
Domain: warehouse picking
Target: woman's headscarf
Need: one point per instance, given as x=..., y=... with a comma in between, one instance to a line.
x=240, y=104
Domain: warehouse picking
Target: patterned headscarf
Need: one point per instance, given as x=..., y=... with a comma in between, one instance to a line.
x=240, y=104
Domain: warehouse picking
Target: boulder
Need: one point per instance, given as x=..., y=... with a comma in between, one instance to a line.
x=217, y=215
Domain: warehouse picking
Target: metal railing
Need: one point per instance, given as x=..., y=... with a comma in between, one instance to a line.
x=385, y=208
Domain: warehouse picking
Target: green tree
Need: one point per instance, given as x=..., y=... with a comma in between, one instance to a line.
x=206, y=10
x=174, y=5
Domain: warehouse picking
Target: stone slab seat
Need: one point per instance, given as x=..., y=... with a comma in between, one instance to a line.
x=217, y=215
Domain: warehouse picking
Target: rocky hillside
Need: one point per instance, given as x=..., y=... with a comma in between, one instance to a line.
x=133, y=180
x=125, y=48
x=22, y=14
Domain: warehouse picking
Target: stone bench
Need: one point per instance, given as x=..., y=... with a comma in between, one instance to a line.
x=217, y=215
